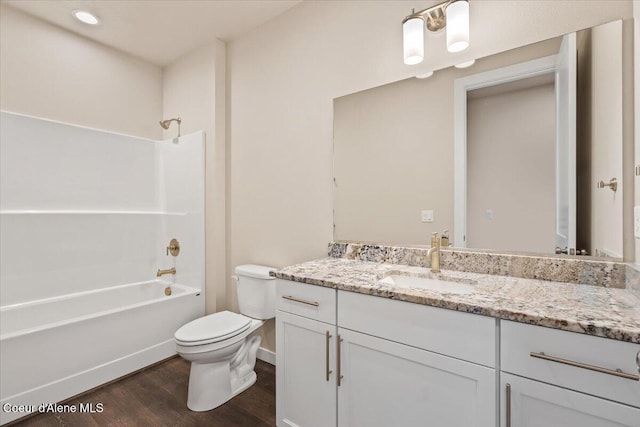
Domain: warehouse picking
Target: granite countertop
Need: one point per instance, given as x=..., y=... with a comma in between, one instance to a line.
x=593, y=310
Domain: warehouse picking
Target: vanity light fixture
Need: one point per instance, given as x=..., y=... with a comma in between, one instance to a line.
x=465, y=64
x=453, y=14
x=86, y=17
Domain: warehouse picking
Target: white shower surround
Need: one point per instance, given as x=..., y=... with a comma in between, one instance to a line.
x=85, y=216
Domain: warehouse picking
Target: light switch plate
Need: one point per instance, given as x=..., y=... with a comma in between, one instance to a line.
x=426, y=216
x=636, y=222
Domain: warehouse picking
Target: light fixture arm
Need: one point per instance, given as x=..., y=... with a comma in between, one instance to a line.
x=434, y=16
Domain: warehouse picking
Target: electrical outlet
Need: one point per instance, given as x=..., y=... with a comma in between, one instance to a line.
x=489, y=214
x=426, y=216
x=636, y=222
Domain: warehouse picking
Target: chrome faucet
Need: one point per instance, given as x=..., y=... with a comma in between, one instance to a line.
x=171, y=270
x=434, y=253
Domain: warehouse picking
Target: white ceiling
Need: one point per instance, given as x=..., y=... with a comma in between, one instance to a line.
x=158, y=31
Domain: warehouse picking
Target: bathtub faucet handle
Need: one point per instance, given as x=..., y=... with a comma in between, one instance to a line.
x=174, y=247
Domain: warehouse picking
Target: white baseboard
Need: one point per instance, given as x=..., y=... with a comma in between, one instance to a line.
x=266, y=356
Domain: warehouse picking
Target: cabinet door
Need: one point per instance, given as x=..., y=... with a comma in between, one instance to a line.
x=535, y=404
x=304, y=355
x=389, y=384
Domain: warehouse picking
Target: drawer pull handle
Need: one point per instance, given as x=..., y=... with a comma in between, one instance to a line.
x=326, y=354
x=638, y=361
x=617, y=372
x=290, y=298
x=508, y=405
x=338, y=356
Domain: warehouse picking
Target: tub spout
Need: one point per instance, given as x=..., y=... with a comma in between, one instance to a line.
x=168, y=271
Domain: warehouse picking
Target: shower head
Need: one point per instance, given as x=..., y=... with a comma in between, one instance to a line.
x=166, y=123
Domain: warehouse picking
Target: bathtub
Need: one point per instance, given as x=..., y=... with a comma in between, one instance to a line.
x=56, y=348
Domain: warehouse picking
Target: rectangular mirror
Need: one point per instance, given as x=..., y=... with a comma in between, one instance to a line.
x=506, y=154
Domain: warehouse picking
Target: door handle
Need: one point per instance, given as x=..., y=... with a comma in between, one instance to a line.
x=294, y=299
x=339, y=362
x=617, y=372
x=508, y=405
x=326, y=355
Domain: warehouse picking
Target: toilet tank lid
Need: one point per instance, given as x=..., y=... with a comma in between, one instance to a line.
x=253, y=270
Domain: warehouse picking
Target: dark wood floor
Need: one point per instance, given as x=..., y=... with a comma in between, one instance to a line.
x=157, y=396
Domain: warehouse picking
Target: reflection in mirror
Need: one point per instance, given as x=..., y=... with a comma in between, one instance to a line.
x=515, y=152
x=509, y=179
x=395, y=157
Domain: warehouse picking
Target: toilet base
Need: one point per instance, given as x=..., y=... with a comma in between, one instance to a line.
x=247, y=382
x=203, y=396
x=209, y=386
x=213, y=384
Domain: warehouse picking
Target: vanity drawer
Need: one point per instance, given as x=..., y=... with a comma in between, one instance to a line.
x=311, y=301
x=461, y=335
x=564, y=358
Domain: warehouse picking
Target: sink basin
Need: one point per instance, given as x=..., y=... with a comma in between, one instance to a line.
x=427, y=283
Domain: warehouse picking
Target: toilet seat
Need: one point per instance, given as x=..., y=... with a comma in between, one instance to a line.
x=211, y=329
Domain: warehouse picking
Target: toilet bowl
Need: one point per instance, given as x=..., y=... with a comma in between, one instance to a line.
x=222, y=346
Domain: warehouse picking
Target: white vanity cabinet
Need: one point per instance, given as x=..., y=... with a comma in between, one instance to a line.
x=557, y=378
x=389, y=384
x=347, y=359
x=397, y=367
x=383, y=363
x=536, y=404
x=305, y=355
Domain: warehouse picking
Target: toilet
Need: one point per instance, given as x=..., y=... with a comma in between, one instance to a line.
x=222, y=346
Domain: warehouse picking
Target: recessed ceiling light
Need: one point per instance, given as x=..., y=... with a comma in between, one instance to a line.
x=86, y=17
x=425, y=75
x=465, y=64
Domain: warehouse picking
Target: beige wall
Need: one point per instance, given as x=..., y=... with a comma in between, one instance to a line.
x=392, y=160
x=511, y=170
x=284, y=76
x=194, y=90
x=52, y=73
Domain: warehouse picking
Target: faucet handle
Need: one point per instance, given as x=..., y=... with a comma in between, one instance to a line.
x=444, y=240
x=434, y=239
x=173, y=248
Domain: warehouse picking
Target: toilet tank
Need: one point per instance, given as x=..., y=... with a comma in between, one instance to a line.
x=256, y=291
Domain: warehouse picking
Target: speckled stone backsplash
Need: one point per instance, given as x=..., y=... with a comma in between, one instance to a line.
x=633, y=277
x=569, y=270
